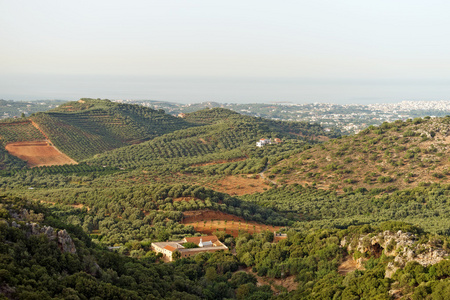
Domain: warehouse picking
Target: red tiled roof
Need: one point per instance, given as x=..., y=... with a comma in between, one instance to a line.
x=170, y=248
x=196, y=239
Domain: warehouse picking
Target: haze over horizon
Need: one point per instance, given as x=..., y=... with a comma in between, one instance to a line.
x=258, y=51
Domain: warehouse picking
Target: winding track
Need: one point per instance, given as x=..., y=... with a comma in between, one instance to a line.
x=264, y=177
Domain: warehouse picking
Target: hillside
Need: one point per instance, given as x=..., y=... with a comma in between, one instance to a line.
x=17, y=132
x=84, y=128
x=399, y=154
x=224, y=136
x=301, y=129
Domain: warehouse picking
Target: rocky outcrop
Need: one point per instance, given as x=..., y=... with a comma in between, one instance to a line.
x=62, y=237
x=402, y=245
x=35, y=229
x=65, y=242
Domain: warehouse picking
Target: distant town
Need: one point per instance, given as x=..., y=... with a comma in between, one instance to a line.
x=350, y=118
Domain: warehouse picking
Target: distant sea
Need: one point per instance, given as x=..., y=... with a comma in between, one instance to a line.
x=226, y=90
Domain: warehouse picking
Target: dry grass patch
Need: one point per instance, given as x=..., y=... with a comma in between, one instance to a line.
x=238, y=185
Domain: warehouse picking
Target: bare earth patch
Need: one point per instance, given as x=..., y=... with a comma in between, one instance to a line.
x=208, y=221
x=349, y=265
x=217, y=162
x=237, y=185
x=39, y=153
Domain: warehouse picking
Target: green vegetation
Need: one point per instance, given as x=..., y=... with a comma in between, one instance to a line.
x=18, y=131
x=144, y=174
x=32, y=266
x=83, y=129
x=10, y=162
x=423, y=206
x=400, y=154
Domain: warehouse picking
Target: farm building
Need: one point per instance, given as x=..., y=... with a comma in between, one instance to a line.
x=263, y=142
x=205, y=244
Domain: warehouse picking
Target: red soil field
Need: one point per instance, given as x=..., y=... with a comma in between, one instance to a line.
x=38, y=153
x=207, y=221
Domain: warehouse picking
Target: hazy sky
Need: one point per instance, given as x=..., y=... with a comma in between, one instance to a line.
x=229, y=51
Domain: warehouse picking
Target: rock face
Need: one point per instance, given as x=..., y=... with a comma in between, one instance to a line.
x=402, y=245
x=65, y=242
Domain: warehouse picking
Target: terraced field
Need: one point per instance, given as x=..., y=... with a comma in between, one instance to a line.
x=87, y=127
x=19, y=131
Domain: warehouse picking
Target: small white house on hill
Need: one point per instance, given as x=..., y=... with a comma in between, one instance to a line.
x=263, y=142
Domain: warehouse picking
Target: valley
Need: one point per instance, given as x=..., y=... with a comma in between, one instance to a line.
x=346, y=210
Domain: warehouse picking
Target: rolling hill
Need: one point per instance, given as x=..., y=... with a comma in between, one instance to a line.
x=79, y=130
x=224, y=135
x=399, y=154
x=15, y=133
x=84, y=128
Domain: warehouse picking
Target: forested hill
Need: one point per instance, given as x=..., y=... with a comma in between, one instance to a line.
x=304, y=129
x=399, y=155
x=86, y=127
x=210, y=116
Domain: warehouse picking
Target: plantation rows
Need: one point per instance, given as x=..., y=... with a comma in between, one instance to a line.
x=18, y=132
x=99, y=122
x=210, y=116
x=191, y=142
x=124, y=125
x=73, y=141
x=132, y=120
x=79, y=170
x=152, y=121
x=100, y=126
x=249, y=166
